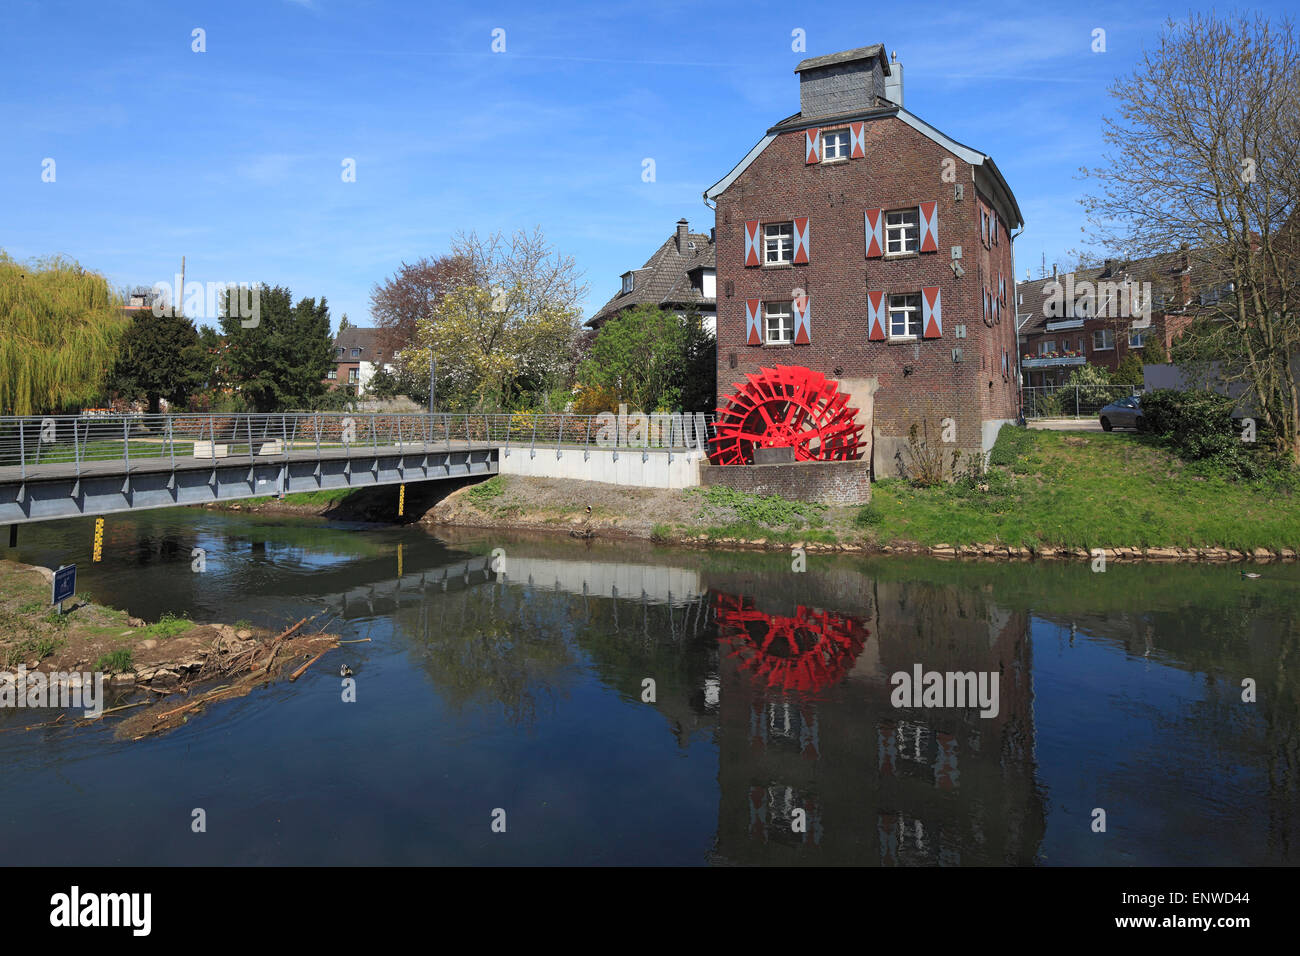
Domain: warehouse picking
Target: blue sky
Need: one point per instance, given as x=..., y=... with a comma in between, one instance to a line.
x=233, y=157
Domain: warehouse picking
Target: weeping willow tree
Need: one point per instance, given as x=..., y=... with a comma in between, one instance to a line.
x=60, y=326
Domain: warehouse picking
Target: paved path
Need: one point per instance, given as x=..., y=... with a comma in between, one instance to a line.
x=1066, y=424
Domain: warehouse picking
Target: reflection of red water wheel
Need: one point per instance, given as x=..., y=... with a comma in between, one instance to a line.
x=809, y=651
x=786, y=406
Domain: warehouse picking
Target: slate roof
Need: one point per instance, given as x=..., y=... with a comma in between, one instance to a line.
x=1164, y=271
x=875, y=51
x=665, y=279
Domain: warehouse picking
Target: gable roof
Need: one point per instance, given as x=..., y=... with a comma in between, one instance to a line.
x=665, y=279
x=988, y=176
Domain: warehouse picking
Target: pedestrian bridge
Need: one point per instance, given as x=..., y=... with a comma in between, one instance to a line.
x=68, y=466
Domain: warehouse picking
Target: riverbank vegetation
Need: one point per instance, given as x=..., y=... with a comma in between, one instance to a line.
x=1041, y=490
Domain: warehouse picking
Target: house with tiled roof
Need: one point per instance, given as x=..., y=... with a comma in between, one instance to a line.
x=680, y=276
x=1082, y=317
x=358, y=355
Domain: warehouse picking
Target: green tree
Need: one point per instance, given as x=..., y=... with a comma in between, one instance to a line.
x=280, y=363
x=640, y=355
x=486, y=344
x=1154, y=352
x=160, y=357
x=1129, y=371
x=699, y=380
x=60, y=328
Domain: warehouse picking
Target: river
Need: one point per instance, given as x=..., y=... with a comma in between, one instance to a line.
x=518, y=699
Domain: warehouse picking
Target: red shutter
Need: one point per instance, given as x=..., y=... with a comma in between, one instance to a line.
x=810, y=146
x=801, y=239
x=876, y=316
x=802, y=310
x=931, y=313
x=752, y=243
x=857, y=144
x=929, y=216
x=753, y=321
x=875, y=220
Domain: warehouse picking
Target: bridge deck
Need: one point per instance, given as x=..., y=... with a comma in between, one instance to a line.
x=119, y=467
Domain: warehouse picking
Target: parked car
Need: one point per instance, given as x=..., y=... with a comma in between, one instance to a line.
x=1125, y=412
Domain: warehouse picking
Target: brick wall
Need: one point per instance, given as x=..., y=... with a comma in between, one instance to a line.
x=829, y=482
x=917, y=380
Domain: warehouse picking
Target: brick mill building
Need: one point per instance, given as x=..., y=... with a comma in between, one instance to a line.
x=859, y=243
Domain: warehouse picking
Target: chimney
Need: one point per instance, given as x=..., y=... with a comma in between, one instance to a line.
x=847, y=82
x=681, y=236
x=1108, y=268
x=894, y=82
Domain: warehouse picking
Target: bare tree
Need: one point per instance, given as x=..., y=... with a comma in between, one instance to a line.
x=1205, y=150
x=524, y=268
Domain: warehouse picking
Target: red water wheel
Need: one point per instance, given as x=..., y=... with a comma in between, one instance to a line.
x=809, y=651
x=786, y=406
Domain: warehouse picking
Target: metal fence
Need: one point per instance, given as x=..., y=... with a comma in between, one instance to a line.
x=1072, y=401
x=78, y=440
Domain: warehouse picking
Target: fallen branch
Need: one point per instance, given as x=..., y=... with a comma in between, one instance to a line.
x=299, y=672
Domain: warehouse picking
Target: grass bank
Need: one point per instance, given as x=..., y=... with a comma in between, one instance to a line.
x=1043, y=491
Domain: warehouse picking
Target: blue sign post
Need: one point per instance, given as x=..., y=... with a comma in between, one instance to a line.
x=65, y=585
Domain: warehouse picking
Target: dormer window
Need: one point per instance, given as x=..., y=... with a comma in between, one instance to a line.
x=627, y=283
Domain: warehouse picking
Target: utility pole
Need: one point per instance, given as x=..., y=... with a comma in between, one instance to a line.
x=179, y=311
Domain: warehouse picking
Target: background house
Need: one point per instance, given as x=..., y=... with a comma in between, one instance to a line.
x=1052, y=345
x=680, y=276
x=358, y=355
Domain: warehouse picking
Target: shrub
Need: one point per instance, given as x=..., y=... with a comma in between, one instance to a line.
x=927, y=468
x=1197, y=426
x=485, y=491
x=869, y=516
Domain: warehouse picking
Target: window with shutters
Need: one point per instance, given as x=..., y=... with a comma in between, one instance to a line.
x=902, y=232
x=904, y=316
x=778, y=243
x=779, y=321
x=835, y=145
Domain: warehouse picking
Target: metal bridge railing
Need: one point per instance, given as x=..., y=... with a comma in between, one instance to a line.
x=79, y=440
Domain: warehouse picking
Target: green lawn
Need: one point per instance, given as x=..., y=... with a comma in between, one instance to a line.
x=1089, y=489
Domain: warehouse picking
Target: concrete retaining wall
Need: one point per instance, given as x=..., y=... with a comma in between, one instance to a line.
x=623, y=466
x=829, y=482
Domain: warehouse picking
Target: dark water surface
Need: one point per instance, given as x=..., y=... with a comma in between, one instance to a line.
x=1119, y=691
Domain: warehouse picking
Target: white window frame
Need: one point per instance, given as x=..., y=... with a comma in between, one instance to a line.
x=1104, y=333
x=629, y=281
x=897, y=233
x=840, y=139
x=333, y=375
x=354, y=375
x=1047, y=345
x=906, y=303
x=1140, y=335
x=783, y=314
x=782, y=234
x=356, y=353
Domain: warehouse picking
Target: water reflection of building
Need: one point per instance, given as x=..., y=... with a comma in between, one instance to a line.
x=877, y=784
